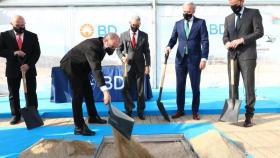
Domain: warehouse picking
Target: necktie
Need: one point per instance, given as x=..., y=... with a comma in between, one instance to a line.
x=133, y=40
x=238, y=22
x=187, y=31
x=19, y=41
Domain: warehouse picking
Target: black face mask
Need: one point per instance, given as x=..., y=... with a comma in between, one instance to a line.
x=187, y=16
x=236, y=9
x=134, y=28
x=109, y=50
x=19, y=30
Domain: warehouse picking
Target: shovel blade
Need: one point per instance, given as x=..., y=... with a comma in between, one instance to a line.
x=231, y=111
x=120, y=121
x=162, y=110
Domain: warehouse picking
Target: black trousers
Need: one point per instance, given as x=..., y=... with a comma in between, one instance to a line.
x=14, y=85
x=247, y=69
x=82, y=89
x=134, y=76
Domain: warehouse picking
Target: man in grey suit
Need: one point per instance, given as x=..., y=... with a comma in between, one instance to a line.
x=242, y=28
x=134, y=52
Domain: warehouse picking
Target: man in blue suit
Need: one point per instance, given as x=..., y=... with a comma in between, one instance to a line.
x=191, y=57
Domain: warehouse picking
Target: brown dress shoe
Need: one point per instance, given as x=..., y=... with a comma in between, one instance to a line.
x=196, y=116
x=248, y=122
x=178, y=114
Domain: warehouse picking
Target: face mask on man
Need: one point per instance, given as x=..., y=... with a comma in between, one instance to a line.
x=236, y=9
x=134, y=28
x=19, y=30
x=187, y=16
x=109, y=50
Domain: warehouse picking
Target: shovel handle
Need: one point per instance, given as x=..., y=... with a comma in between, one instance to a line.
x=21, y=61
x=163, y=70
x=231, y=71
x=24, y=81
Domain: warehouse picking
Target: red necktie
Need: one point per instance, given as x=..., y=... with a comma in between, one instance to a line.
x=133, y=40
x=19, y=41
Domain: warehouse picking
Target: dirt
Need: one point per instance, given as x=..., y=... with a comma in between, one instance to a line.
x=58, y=148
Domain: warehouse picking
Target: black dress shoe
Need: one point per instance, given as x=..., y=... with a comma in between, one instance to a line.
x=177, y=115
x=15, y=120
x=248, y=122
x=128, y=113
x=196, y=116
x=96, y=119
x=85, y=131
x=141, y=116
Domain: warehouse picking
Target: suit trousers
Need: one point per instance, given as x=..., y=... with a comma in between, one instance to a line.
x=247, y=69
x=82, y=89
x=182, y=70
x=14, y=85
x=134, y=75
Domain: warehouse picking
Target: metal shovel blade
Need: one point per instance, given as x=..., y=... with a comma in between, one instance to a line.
x=231, y=111
x=120, y=121
x=162, y=110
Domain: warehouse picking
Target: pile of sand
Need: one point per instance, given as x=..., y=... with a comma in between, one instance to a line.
x=129, y=148
x=213, y=145
x=57, y=148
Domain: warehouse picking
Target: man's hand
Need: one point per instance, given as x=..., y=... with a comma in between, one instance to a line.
x=24, y=68
x=19, y=53
x=228, y=45
x=237, y=42
x=202, y=65
x=125, y=59
x=167, y=50
x=147, y=70
x=107, y=97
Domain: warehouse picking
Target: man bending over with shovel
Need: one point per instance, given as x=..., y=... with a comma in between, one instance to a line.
x=77, y=64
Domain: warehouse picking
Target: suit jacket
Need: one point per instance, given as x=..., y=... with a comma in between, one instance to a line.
x=197, y=42
x=251, y=29
x=88, y=54
x=139, y=55
x=30, y=45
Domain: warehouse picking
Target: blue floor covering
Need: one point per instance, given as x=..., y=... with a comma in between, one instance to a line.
x=212, y=102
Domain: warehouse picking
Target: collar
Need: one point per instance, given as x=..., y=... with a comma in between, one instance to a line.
x=191, y=20
x=241, y=11
x=136, y=33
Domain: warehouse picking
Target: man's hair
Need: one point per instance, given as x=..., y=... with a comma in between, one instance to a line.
x=135, y=17
x=112, y=35
x=190, y=3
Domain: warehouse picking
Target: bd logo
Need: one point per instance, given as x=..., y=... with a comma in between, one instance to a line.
x=87, y=30
x=115, y=82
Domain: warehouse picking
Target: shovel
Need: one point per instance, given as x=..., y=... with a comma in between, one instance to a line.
x=232, y=105
x=159, y=103
x=120, y=121
x=30, y=114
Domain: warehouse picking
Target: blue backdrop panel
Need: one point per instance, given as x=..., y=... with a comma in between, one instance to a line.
x=61, y=90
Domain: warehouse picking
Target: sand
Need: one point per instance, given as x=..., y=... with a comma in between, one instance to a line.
x=213, y=145
x=59, y=148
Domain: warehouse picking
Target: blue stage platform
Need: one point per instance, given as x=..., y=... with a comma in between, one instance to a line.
x=212, y=101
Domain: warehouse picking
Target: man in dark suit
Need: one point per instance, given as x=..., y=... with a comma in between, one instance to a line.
x=242, y=28
x=134, y=52
x=191, y=57
x=22, y=51
x=77, y=64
